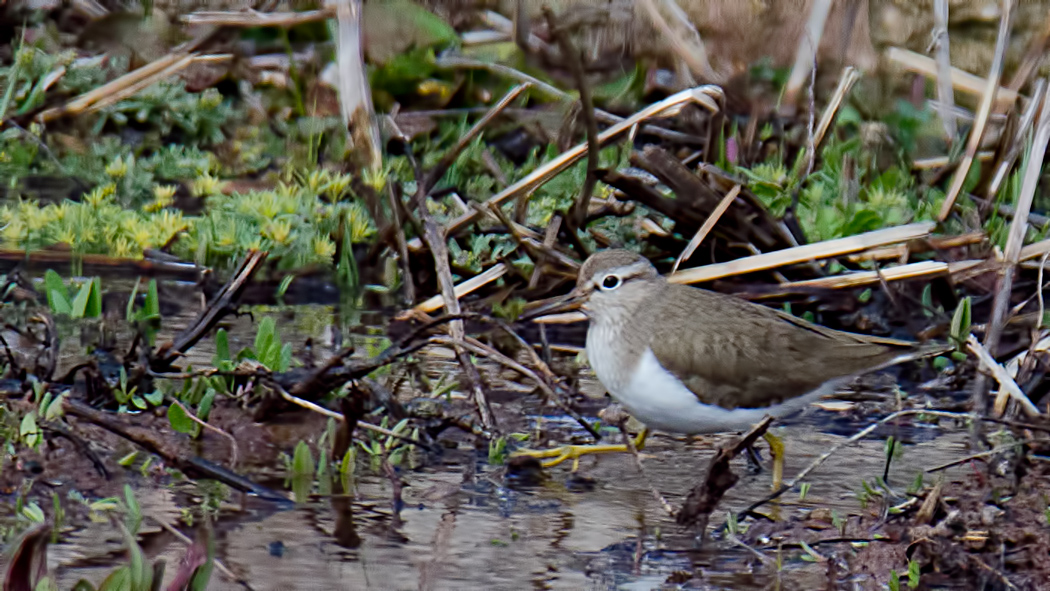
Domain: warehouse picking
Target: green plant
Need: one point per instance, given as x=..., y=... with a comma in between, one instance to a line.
x=146, y=319
x=497, y=451
x=960, y=328
x=86, y=304
x=200, y=392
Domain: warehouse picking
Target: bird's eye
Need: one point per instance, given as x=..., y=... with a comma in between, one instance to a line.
x=610, y=282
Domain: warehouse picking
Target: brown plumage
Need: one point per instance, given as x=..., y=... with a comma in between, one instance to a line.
x=728, y=352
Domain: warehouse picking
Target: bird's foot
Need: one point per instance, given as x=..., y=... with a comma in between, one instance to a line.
x=561, y=454
x=554, y=456
x=754, y=461
x=776, y=449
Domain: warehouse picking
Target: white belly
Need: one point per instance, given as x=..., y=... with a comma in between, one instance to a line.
x=655, y=397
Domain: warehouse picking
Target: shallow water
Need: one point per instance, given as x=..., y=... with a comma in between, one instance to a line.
x=469, y=529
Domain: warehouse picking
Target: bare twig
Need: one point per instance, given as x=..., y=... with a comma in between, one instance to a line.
x=127, y=85
x=257, y=19
x=434, y=175
x=436, y=241
x=705, y=496
x=164, y=524
x=977, y=456
x=575, y=60
x=1006, y=164
x=233, y=442
x=1006, y=382
x=849, y=77
x=1014, y=242
x=705, y=229
x=961, y=80
x=455, y=61
x=339, y=417
x=470, y=285
x=945, y=93
x=806, y=56
x=987, y=100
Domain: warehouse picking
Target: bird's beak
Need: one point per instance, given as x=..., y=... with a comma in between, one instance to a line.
x=567, y=303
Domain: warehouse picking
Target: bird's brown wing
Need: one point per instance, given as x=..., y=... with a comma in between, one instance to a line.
x=750, y=356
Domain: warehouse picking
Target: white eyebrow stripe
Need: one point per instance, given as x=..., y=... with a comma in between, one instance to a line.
x=625, y=272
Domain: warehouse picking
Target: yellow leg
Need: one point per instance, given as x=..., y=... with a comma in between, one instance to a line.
x=776, y=449
x=575, y=452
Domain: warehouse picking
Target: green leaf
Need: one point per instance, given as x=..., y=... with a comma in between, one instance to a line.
x=139, y=571
x=129, y=310
x=303, y=459
x=54, y=409
x=152, y=305
x=271, y=357
x=57, y=294
x=179, y=420
x=134, y=517
x=960, y=329
x=93, y=309
x=33, y=512
x=29, y=431
x=203, y=572
x=264, y=337
x=80, y=303
x=396, y=26
x=283, y=287
x=118, y=580
x=155, y=397
x=285, y=358
x=913, y=574
x=139, y=403
x=222, y=348
x=204, y=407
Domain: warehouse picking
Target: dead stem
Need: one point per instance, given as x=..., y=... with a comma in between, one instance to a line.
x=705, y=229
x=1014, y=244
x=574, y=57
x=987, y=100
x=317, y=408
x=945, y=93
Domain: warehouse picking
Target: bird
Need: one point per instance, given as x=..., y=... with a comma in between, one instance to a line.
x=690, y=361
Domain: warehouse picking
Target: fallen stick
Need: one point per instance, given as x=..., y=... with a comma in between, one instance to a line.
x=983, y=110
x=474, y=283
x=705, y=496
x=151, y=441
x=961, y=79
x=1006, y=382
x=224, y=303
